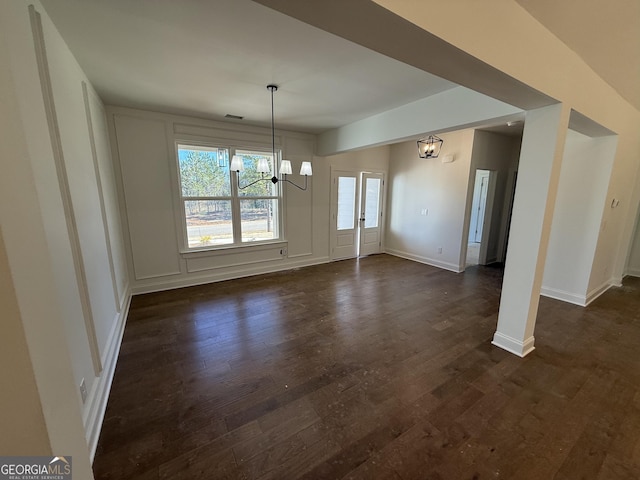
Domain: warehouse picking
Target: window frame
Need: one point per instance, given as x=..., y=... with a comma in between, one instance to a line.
x=235, y=197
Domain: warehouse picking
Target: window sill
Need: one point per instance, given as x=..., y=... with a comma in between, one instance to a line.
x=224, y=250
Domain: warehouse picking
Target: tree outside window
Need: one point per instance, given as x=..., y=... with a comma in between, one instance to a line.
x=216, y=211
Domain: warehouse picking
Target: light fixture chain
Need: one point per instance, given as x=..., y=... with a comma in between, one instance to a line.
x=272, y=88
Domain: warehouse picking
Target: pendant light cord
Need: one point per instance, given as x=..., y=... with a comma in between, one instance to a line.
x=272, y=88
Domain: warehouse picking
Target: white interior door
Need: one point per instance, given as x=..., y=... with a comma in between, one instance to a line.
x=478, y=206
x=344, y=214
x=371, y=213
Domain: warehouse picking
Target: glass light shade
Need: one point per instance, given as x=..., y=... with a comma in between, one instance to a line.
x=263, y=166
x=305, y=169
x=237, y=164
x=285, y=167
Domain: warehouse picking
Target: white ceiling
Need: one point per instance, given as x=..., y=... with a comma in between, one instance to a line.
x=215, y=57
x=605, y=34
x=211, y=58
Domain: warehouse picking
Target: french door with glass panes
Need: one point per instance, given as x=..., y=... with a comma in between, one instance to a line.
x=356, y=214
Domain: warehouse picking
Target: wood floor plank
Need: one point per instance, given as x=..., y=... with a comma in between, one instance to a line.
x=294, y=419
x=376, y=368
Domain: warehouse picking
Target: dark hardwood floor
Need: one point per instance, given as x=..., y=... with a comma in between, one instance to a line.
x=379, y=368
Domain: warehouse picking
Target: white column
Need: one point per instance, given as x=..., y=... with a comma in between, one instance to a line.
x=538, y=174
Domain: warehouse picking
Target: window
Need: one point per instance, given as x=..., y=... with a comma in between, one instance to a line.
x=216, y=211
x=346, y=203
x=258, y=201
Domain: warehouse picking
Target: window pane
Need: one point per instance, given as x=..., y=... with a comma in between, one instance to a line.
x=263, y=188
x=372, y=202
x=259, y=219
x=208, y=222
x=346, y=202
x=204, y=172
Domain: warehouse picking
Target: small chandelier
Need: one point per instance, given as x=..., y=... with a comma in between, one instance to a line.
x=429, y=147
x=237, y=163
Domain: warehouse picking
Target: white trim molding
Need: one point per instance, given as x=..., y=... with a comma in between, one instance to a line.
x=220, y=276
x=96, y=405
x=580, y=300
x=634, y=272
x=615, y=281
x=452, y=267
x=596, y=292
x=512, y=345
x=563, y=296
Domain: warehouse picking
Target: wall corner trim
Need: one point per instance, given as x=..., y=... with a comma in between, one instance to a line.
x=596, y=292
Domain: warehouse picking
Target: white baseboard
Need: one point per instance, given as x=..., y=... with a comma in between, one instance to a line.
x=634, y=272
x=577, y=299
x=426, y=260
x=211, y=276
x=513, y=345
x=96, y=404
x=615, y=281
x=563, y=296
x=596, y=292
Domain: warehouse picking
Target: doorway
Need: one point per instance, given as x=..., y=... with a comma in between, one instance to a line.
x=476, y=243
x=356, y=213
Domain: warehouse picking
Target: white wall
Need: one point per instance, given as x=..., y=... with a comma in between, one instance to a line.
x=582, y=190
x=453, y=109
x=100, y=278
x=498, y=153
x=20, y=408
x=108, y=194
x=553, y=69
x=375, y=159
x=460, y=50
x=143, y=145
x=416, y=184
x=61, y=228
x=633, y=266
x=38, y=246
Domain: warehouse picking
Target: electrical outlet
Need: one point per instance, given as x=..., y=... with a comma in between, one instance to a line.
x=439, y=249
x=83, y=391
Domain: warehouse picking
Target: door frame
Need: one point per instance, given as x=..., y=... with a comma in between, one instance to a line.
x=362, y=230
x=333, y=213
x=333, y=209
x=487, y=217
x=476, y=204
